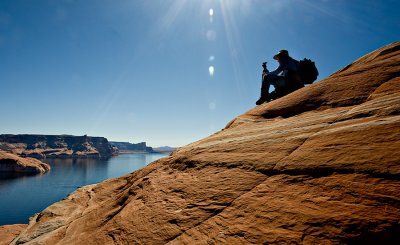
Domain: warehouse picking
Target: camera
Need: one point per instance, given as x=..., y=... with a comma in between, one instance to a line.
x=264, y=65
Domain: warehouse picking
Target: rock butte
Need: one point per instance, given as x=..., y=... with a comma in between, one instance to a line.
x=14, y=164
x=57, y=146
x=318, y=166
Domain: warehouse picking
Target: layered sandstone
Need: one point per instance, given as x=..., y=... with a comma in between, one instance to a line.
x=319, y=166
x=57, y=146
x=11, y=163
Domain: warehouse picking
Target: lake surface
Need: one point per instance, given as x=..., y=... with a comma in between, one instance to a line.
x=24, y=196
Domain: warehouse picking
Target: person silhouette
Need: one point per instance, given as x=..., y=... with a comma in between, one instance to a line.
x=284, y=78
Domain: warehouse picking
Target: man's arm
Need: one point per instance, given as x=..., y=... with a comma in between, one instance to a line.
x=277, y=71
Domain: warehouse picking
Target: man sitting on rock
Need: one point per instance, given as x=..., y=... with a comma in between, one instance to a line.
x=285, y=78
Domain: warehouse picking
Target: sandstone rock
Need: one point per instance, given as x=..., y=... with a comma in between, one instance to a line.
x=15, y=164
x=9, y=232
x=56, y=146
x=319, y=166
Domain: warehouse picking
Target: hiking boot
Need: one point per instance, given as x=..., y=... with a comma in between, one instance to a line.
x=261, y=100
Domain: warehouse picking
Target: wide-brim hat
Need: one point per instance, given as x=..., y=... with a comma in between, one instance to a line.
x=282, y=53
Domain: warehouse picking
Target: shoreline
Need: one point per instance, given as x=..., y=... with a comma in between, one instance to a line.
x=62, y=181
x=144, y=152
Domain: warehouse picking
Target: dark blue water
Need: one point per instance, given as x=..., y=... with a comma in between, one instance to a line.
x=21, y=197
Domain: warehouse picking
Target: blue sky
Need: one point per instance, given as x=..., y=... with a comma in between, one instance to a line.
x=138, y=70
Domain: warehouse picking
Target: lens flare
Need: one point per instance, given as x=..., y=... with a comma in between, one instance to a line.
x=211, y=35
x=212, y=106
x=211, y=14
x=211, y=71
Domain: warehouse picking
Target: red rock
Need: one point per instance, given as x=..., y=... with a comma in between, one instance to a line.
x=9, y=232
x=15, y=164
x=319, y=166
x=56, y=146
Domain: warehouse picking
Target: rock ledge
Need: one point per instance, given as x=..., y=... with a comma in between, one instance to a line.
x=319, y=166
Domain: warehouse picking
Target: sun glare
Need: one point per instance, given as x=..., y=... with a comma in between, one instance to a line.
x=224, y=10
x=211, y=71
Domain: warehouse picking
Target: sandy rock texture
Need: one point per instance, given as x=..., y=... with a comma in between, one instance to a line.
x=319, y=166
x=9, y=232
x=14, y=164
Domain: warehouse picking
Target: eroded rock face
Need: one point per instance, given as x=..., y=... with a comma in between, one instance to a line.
x=14, y=164
x=57, y=146
x=318, y=166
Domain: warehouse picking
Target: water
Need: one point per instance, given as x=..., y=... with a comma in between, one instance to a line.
x=22, y=197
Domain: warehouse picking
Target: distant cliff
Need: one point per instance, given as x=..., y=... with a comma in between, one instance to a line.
x=129, y=147
x=164, y=149
x=56, y=146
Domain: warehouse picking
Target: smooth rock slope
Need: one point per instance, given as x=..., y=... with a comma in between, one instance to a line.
x=9, y=232
x=319, y=166
x=10, y=163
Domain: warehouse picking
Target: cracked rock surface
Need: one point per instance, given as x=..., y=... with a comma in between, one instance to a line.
x=319, y=166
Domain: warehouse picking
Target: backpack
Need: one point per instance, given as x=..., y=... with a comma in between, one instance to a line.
x=308, y=71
